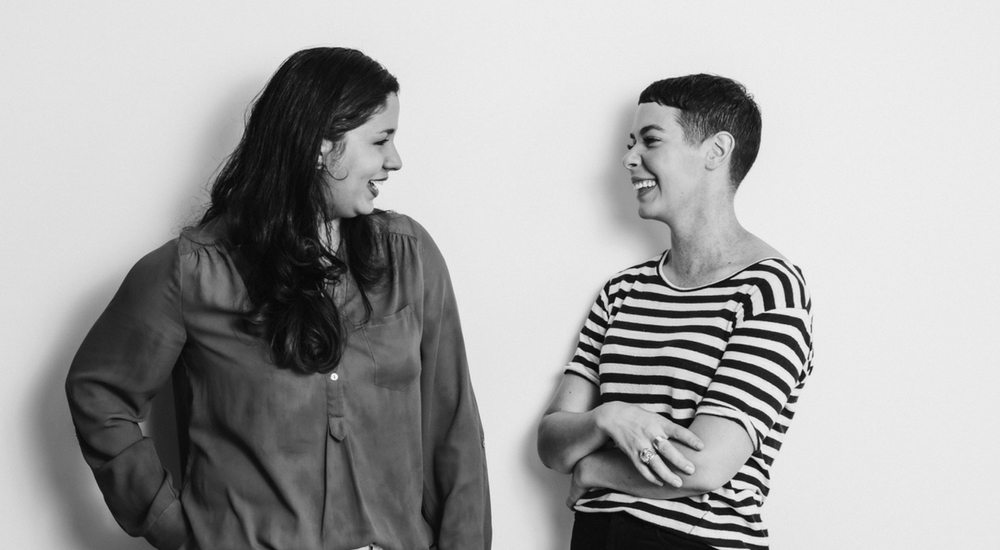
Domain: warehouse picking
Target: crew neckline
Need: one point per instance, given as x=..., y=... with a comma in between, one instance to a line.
x=671, y=284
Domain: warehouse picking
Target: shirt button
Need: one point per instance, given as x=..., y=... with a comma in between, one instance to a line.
x=334, y=377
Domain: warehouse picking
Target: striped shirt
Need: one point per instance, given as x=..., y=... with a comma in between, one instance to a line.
x=739, y=348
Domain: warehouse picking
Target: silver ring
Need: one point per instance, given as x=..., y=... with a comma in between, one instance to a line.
x=646, y=455
x=663, y=438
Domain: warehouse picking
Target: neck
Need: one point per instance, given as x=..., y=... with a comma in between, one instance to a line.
x=705, y=245
x=330, y=234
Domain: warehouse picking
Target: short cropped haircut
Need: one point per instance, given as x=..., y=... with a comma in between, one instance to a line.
x=710, y=104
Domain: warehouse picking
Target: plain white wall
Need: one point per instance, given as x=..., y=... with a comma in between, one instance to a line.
x=877, y=175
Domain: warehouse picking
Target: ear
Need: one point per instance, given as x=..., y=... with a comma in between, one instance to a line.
x=325, y=147
x=719, y=150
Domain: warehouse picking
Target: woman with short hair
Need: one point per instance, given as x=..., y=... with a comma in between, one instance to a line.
x=690, y=365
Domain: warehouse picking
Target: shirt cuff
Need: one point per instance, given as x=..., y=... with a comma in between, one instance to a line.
x=737, y=416
x=583, y=372
x=170, y=530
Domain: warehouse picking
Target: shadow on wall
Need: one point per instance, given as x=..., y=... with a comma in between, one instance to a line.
x=72, y=485
x=82, y=508
x=552, y=484
x=652, y=237
x=622, y=209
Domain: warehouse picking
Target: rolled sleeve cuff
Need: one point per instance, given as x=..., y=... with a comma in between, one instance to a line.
x=170, y=530
x=583, y=372
x=737, y=416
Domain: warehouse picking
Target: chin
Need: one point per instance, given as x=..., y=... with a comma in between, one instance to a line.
x=650, y=214
x=361, y=211
x=646, y=214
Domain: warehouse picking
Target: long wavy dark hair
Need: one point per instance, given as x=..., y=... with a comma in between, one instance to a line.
x=273, y=200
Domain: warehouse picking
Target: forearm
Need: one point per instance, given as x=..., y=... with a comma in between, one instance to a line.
x=465, y=511
x=126, y=358
x=462, y=479
x=457, y=493
x=566, y=437
x=137, y=489
x=611, y=469
x=726, y=448
x=578, y=424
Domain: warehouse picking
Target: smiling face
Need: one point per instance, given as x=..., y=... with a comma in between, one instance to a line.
x=666, y=170
x=364, y=157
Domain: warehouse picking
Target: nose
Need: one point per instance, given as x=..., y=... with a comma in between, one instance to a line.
x=392, y=160
x=631, y=160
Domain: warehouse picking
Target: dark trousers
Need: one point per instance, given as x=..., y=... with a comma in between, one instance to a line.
x=621, y=531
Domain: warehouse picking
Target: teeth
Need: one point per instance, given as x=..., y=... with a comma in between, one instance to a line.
x=643, y=184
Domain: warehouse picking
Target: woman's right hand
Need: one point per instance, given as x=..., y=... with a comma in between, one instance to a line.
x=634, y=429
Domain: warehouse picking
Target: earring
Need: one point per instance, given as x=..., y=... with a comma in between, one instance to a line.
x=319, y=162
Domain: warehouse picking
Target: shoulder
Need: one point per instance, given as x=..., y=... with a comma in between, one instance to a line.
x=196, y=250
x=411, y=242
x=779, y=283
x=151, y=282
x=646, y=271
x=403, y=227
x=171, y=256
x=157, y=264
x=194, y=239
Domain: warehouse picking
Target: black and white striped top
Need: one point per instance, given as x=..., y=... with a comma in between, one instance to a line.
x=739, y=348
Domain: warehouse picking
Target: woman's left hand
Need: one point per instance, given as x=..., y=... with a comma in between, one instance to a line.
x=576, y=488
x=645, y=438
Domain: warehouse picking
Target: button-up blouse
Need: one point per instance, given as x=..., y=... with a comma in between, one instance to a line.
x=388, y=449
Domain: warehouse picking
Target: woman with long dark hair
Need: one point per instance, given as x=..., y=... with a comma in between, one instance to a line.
x=313, y=340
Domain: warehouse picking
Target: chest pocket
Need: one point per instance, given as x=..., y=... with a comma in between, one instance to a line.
x=394, y=345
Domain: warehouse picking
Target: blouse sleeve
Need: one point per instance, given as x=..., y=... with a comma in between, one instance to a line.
x=456, y=486
x=124, y=361
x=767, y=356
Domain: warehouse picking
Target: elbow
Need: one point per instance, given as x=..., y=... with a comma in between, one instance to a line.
x=71, y=388
x=700, y=484
x=549, y=452
x=555, y=462
x=707, y=478
x=79, y=383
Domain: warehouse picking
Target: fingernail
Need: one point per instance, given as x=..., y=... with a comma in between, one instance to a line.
x=676, y=483
x=689, y=469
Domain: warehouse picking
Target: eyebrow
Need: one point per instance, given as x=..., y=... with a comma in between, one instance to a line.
x=646, y=129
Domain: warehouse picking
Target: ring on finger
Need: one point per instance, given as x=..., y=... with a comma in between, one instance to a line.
x=646, y=454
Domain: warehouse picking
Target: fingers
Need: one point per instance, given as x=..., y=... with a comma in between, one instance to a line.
x=686, y=437
x=645, y=468
x=576, y=489
x=634, y=429
x=658, y=470
x=671, y=455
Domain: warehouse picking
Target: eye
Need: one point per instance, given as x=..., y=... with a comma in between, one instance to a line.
x=649, y=140
x=382, y=142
